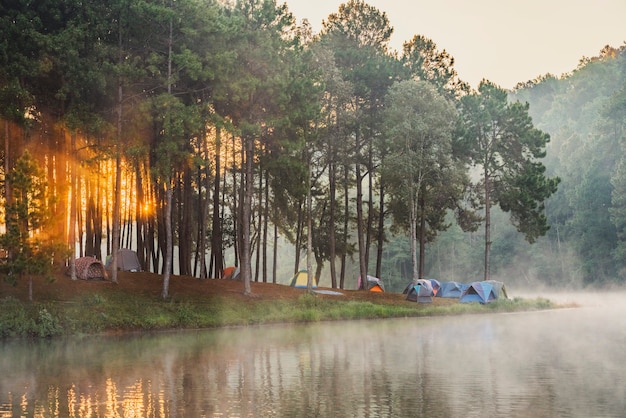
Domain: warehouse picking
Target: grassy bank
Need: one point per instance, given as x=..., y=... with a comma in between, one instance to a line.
x=112, y=309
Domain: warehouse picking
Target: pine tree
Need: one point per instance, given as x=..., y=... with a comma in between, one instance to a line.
x=502, y=141
x=30, y=249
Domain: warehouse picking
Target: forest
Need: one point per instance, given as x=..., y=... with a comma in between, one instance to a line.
x=204, y=134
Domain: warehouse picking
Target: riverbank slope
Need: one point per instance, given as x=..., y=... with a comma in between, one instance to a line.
x=68, y=307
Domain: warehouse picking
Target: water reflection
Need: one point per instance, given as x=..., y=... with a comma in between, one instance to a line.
x=548, y=364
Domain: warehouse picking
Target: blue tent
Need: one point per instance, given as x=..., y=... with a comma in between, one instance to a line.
x=481, y=292
x=499, y=289
x=451, y=289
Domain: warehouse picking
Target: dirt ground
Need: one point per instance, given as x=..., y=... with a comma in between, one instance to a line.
x=63, y=288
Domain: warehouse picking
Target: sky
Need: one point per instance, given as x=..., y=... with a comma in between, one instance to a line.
x=503, y=41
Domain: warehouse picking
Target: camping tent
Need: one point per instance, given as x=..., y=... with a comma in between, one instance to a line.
x=127, y=260
x=436, y=285
x=451, y=289
x=433, y=283
x=374, y=284
x=231, y=273
x=499, y=289
x=89, y=268
x=422, y=292
x=481, y=292
x=376, y=287
x=301, y=278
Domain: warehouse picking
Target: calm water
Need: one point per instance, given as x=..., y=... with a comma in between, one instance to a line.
x=566, y=363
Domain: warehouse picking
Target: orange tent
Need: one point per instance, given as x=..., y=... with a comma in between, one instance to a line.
x=376, y=288
x=227, y=272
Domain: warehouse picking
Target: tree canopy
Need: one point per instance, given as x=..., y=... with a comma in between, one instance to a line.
x=207, y=134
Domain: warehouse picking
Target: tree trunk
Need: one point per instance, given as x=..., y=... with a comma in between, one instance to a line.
x=161, y=239
x=299, y=228
x=167, y=261
x=7, y=161
x=185, y=217
x=360, y=218
x=90, y=243
x=97, y=221
x=370, y=208
x=257, y=263
x=331, y=237
x=246, y=216
x=217, y=257
x=73, y=203
x=266, y=211
x=78, y=232
x=198, y=262
x=381, y=230
x=346, y=226
x=275, y=253
x=422, y=238
x=309, y=230
x=237, y=199
x=141, y=214
x=487, y=224
x=413, y=232
x=117, y=192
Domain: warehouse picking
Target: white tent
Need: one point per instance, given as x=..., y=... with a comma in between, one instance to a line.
x=127, y=260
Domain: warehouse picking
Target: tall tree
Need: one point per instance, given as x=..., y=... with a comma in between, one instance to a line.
x=254, y=96
x=419, y=124
x=359, y=35
x=29, y=245
x=502, y=141
x=425, y=62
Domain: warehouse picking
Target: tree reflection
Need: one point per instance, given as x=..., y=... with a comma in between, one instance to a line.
x=491, y=365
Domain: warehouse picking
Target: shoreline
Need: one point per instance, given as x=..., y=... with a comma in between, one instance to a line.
x=64, y=307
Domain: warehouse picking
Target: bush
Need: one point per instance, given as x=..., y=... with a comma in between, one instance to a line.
x=47, y=324
x=15, y=320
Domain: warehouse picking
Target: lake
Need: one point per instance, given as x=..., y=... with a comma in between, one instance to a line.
x=560, y=363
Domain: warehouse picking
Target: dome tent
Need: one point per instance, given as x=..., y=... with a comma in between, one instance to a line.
x=300, y=280
x=127, y=260
x=89, y=268
x=421, y=292
x=481, y=292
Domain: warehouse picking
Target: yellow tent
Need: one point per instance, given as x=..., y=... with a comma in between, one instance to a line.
x=301, y=278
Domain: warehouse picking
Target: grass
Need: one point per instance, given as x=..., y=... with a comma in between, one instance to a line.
x=118, y=311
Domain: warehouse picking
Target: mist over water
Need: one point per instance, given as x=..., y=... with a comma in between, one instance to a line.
x=559, y=363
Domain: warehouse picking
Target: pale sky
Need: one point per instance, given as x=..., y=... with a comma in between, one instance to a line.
x=504, y=41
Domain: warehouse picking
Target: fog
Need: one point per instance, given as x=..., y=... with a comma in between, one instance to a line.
x=567, y=362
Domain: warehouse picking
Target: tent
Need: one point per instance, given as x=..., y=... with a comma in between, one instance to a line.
x=300, y=280
x=436, y=285
x=231, y=273
x=481, y=292
x=374, y=284
x=499, y=289
x=451, y=290
x=377, y=287
x=433, y=283
x=127, y=260
x=89, y=268
x=422, y=292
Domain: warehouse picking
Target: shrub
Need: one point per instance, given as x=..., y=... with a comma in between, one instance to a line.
x=47, y=324
x=15, y=320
